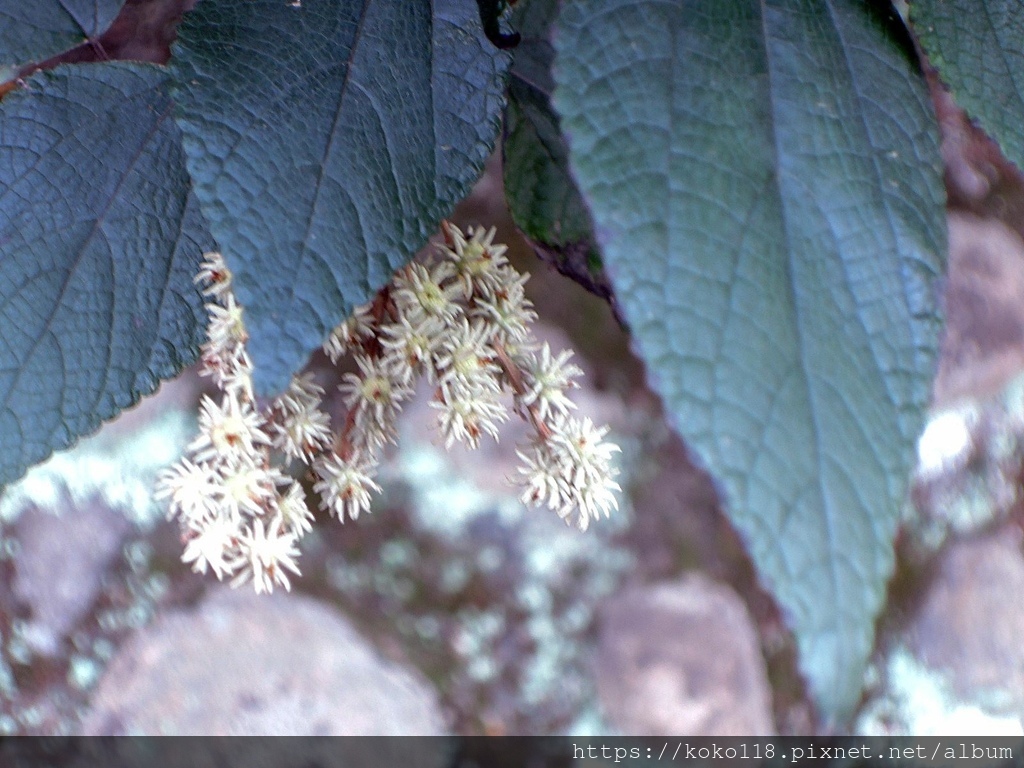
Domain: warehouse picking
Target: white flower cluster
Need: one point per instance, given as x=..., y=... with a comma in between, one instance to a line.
x=461, y=321
x=241, y=516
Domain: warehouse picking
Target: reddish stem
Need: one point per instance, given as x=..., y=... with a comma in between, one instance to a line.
x=515, y=376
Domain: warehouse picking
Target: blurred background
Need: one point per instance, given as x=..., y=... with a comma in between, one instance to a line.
x=453, y=609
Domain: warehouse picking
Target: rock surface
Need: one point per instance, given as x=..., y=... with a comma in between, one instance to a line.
x=971, y=621
x=983, y=345
x=242, y=664
x=59, y=567
x=658, y=675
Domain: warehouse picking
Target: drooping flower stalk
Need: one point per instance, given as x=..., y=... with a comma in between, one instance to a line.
x=461, y=322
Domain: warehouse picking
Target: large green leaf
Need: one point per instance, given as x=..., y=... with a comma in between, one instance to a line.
x=978, y=48
x=327, y=139
x=765, y=180
x=32, y=30
x=99, y=241
x=542, y=195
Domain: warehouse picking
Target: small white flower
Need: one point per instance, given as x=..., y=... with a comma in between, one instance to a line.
x=299, y=428
x=266, y=555
x=232, y=372
x=593, y=500
x=192, y=489
x=477, y=262
x=582, y=449
x=345, y=486
x=349, y=334
x=421, y=293
x=214, y=275
x=408, y=347
x=226, y=328
x=211, y=545
x=302, y=435
x=571, y=471
x=547, y=379
x=504, y=306
x=541, y=478
x=246, y=487
x=464, y=361
x=230, y=431
x=303, y=392
x=294, y=511
x=465, y=417
x=375, y=397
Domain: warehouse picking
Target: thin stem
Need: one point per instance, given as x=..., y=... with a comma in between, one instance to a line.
x=515, y=376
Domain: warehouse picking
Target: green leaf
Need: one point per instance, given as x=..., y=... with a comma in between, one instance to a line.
x=978, y=48
x=32, y=30
x=766, y=184
x=99, y=242
x=327, y=139
x=542, y=195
